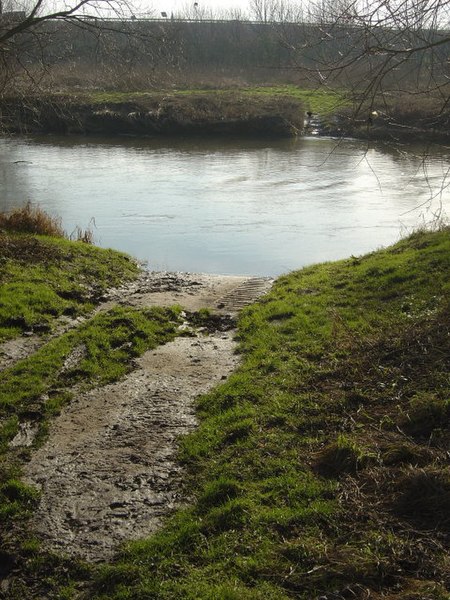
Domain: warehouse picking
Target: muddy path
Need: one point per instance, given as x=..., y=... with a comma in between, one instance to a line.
x=108, y=472
x=223, y=294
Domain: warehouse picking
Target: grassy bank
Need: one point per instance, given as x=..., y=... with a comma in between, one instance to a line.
x=49, y=285
x=401, y=116
x=315, y=100
x=45, y=276
x=248, y=111
x=156, y=113
x=319, y=469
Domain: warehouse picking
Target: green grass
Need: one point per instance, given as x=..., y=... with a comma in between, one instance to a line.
x=100, y=97
x=42, y=278
x=293, y=497
x=37, y=386
x=319, y=466
x=319, y=101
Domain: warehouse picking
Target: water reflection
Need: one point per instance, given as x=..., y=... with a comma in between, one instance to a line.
x=233, y=207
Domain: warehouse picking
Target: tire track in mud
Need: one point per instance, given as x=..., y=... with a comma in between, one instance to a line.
x=244, y=294
x=108, y=472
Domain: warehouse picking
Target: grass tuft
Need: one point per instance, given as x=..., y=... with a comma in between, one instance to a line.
x=31, y=219
x=340, y=457
x=425, y=413
x=424, y=498
x=16, y=499
x=218, y=492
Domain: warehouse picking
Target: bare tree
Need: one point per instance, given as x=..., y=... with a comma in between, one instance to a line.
x=18, y=18
x=391, y=56
x=28, y=30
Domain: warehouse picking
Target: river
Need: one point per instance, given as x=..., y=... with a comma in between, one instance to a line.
x=229, y=207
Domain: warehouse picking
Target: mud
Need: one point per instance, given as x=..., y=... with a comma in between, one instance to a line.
x=14, y=350
x=108, y=472
x=190, y=290
x=152, y=288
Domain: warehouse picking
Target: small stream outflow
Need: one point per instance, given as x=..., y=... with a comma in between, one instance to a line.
x=245, y=294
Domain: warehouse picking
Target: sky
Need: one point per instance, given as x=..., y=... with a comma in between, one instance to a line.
x=187, y=6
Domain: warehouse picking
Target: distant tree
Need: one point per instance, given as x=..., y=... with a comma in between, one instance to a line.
x=28, y=28
x=18, y=17
x=195, y=11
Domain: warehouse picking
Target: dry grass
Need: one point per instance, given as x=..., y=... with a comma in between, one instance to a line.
x=71, y=77
x=33, y=220
x=82, y=235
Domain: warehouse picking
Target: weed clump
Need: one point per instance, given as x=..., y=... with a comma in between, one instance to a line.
x=423, y=496
x=426, y=412
x=30, y=219
x=405, y=453
x=344, y=456
x=34, y=221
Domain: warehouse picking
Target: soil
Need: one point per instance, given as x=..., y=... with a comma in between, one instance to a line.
x=160, y=115
x=108, y=472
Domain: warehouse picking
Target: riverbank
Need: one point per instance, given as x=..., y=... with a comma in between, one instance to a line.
x=383, y=127
x=162, y=113
x=318, y=468
x=247, y=112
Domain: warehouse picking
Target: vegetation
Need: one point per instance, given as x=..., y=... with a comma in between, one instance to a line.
x=31, y=219
x=163, y=112
x=317, y=101
x=236, y=110
x=321, y=464
x=373, y=53
x=43, y=277
x=319, y=468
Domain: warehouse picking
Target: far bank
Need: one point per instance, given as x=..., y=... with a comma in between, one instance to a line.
x=265, y=111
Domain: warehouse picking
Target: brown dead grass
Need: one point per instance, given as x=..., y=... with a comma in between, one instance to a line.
x=31, y=219
x=390, y=456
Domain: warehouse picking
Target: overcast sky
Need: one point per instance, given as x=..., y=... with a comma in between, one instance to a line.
x=177, y=6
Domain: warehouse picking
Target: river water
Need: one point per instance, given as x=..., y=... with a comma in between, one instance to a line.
x=229, y=207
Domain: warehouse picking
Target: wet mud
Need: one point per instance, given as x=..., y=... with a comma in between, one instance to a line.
x=108, y=472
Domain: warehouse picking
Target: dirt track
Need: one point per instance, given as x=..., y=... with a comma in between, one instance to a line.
x=108, y=472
